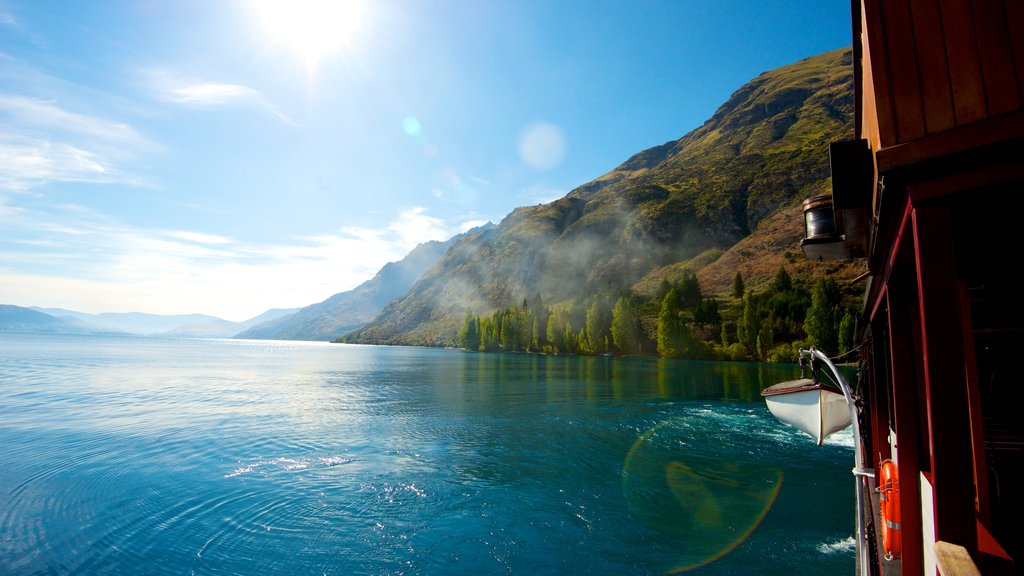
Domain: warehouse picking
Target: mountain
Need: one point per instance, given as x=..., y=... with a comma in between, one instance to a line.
x=724, y=197
x=131, y=322
x=18, y=319
x=350, y=310
x=219, y=328
x=176, y=325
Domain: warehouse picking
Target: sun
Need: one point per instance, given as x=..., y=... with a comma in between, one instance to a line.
x=311, y=28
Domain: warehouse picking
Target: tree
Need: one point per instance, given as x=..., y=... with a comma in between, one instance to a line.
x=847, y=328
x=569, y=338
x=689, y=291
x=737, y=285
x=625, y=327
x=669, y=327
x=488, y=334
x=824, y=316
x=765, y=338
x=599, y=320
x=706, y=313
x=782, y=282
x=748, y=326
x=663, y=289
x=469, y=336
x=555, y=331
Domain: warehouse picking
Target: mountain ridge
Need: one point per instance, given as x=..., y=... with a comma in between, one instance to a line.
x=764, y=150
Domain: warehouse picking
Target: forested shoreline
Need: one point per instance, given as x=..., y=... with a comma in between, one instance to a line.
x=680, y=321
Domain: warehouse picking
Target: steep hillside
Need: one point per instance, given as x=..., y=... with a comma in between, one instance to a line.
x=350, y=310
x=682, y=205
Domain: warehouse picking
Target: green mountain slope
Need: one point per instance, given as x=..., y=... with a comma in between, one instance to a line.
x=685, y=204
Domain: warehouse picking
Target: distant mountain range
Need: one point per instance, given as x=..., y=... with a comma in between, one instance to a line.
x=59, y=320
x=339, y=314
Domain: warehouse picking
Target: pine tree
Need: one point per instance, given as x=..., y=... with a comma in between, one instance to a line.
x=555, y=331
x=846, y=331
x=569, y=338
x=598, y=325
x=689, y=291
x=748, y=326
x=625, y=328
x=706, y=313
x=782, y=282
x=669, y=326
x=488, y=335
x=469, y=336
x=737, y=285
x=824, y=316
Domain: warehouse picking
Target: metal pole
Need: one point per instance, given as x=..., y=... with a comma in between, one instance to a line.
x=863, y=562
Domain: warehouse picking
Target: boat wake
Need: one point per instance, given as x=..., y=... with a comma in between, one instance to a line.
x=839, y=546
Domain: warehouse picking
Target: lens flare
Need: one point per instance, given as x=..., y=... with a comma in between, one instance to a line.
x=542, y=146
x=412, y=126
x=706, y=505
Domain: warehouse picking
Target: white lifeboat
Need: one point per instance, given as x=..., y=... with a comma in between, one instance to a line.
x=809, y=406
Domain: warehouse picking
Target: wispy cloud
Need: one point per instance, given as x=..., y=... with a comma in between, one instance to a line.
x=42, y=142
x=411, y=227
x=26, y=165
x=7, y=18
x=72, y=257
x=204, y=94
x=48, y=114
x=470, y=224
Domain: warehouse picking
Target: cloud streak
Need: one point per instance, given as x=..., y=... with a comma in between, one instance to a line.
x=74, y=258
x=206, y=95
x=42, y=142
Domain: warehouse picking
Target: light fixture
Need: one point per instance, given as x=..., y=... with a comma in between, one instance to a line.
x=823, y=238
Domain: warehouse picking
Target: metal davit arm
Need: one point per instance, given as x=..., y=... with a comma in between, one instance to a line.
x=860, y=473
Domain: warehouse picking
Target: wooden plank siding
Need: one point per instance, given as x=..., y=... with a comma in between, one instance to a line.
x=997, y=69
x=936, y=91
x=880, y=129
x=932, y=66
x=1015, y=26
x=904, y=73
x=964, y=68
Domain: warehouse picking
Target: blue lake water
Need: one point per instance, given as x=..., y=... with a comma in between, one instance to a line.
x=152, y=456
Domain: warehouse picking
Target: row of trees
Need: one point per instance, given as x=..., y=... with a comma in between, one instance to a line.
x=769, y=325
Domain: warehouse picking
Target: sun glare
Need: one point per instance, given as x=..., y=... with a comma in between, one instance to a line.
x=311, y=28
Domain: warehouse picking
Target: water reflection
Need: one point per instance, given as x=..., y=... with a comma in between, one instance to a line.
x=243, y=457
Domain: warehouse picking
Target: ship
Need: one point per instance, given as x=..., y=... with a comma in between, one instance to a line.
x=927, y=194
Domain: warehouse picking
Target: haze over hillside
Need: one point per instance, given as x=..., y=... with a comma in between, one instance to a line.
x=723, y=197
x=347, y=311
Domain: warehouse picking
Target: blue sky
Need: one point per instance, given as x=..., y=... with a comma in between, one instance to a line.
x=226, y=157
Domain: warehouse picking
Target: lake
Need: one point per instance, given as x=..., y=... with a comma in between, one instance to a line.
x=161, y=456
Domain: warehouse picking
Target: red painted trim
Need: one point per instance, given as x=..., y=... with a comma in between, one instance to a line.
x=903, y=387
x=945, y=381
x=894, y=252
x=974, y=404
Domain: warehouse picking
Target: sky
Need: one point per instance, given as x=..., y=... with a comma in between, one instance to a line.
x=231, y=156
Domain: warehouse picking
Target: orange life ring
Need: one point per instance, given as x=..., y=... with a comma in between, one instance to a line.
x=889, y=502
